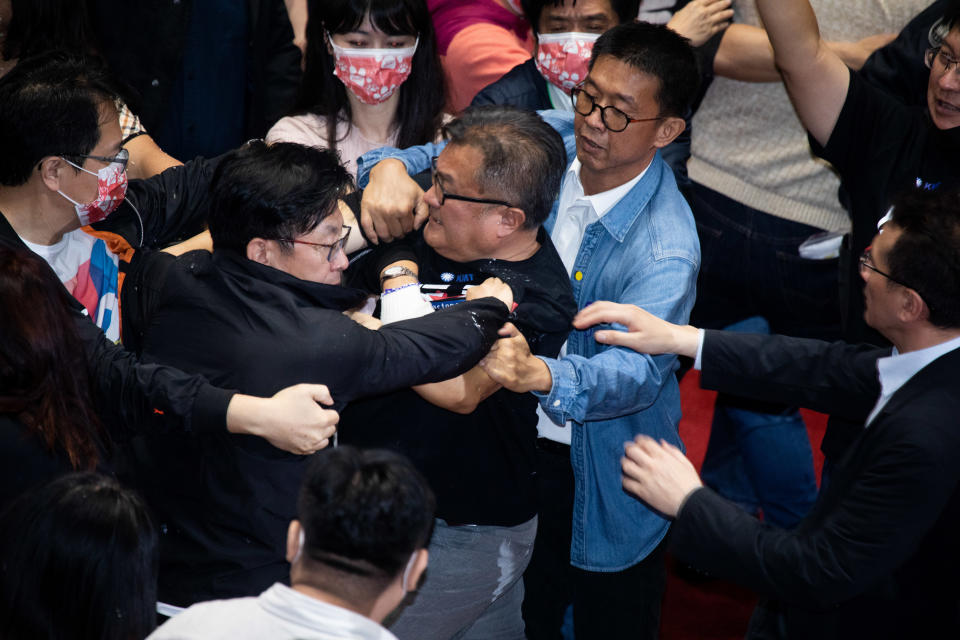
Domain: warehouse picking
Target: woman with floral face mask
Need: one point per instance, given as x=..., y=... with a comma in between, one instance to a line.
x=372, y=79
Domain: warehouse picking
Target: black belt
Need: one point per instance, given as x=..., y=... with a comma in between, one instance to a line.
x=552, y=446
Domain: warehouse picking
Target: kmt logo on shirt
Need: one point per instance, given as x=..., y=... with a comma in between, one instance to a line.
x=446, y=276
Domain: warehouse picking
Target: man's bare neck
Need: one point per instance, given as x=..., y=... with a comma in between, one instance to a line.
x=33, y=219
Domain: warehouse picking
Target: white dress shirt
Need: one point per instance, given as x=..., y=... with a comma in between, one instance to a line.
x=895, y=370
x=575, y=212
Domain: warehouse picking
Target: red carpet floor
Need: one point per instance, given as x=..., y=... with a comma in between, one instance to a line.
x=696, y=607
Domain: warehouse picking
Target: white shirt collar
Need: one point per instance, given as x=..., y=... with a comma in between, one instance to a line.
x=572, y=190
x=895, y=370
x=291, y=605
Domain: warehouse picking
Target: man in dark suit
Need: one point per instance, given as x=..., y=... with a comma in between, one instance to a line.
x=877, y=556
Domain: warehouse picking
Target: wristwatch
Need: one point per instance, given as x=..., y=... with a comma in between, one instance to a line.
x=395, y=272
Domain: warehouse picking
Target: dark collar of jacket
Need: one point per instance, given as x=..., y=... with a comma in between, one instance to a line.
x=247, y=277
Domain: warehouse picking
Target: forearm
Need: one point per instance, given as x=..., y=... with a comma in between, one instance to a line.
x=745, y=54
x=147, y=158
x=791, y=26
x=461, y=394
x=836, y=379
x=414, y=159
x=146, y=397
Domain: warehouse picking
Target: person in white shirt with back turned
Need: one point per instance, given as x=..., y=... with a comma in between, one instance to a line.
x=358, y=547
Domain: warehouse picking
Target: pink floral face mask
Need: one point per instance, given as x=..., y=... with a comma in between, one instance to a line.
x=372, y=75
x=563, y=58
x=111, y=189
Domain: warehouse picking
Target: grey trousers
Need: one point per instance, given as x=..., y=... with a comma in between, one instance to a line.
x=473, y=587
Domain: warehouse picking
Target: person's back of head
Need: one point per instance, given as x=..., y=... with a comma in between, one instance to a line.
x=658, y=51
x=273, y=192
x=365, y=519
x=44, y=380
x=926, y=256
x=79, y=560
x=50, y=105
x=523, y=157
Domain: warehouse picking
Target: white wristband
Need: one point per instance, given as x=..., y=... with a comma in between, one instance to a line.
x=402, y=304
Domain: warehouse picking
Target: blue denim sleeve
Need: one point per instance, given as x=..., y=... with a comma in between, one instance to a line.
x=416, y=159
x=618, y=381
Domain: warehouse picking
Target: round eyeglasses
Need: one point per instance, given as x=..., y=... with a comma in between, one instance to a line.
x=612, y=118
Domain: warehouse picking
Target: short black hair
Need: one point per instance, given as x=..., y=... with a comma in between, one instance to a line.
x=626, y=10
x=78, y=559
x=364, y=512
x=273, y=192
x=523, y=157
x=926, y=256
x=660, y=52
x=50, y=106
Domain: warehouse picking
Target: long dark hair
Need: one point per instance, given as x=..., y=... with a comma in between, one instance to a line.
x=44, y=379
x=420, y=108
x=43, y=25
x=78, y=560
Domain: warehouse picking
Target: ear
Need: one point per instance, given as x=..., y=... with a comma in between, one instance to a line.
x=419, y=566
x=511, y=220
x=668, y=130
x=259, y=250
x=51, y=169
x=326, y=41
x=912, y=307
x=293, y=540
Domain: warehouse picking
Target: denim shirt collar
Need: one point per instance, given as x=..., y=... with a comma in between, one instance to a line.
x=625, y=213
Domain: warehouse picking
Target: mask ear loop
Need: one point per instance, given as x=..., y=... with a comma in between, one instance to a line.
x=300, y=545
x=406, y=572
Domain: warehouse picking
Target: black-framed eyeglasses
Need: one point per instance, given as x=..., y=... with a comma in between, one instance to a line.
x=331, y=248
x=612, y=118
x=122, y=157
x=442, y=196
x=936, y=53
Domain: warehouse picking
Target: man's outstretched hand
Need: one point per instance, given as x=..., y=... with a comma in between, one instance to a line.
x=646, y=333
x=659, y=474
x=291, y=420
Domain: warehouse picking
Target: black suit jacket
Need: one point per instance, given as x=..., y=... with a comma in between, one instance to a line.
x=879, y=552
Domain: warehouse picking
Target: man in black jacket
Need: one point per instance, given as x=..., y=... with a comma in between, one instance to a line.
x=876, y=557
x=58, y=125
x=265, y=309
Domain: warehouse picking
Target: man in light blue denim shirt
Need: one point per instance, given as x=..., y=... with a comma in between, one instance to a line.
x=626, y=234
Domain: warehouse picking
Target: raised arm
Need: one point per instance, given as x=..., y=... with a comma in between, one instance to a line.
x=745, y=53
x=815, y=76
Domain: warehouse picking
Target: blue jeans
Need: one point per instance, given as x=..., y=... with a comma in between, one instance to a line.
x=759, y=455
